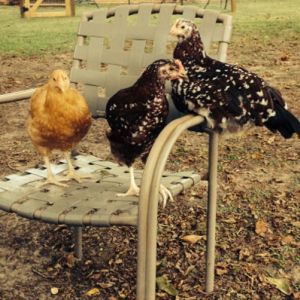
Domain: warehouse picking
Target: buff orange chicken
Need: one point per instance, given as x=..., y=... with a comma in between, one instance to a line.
x=59, y=118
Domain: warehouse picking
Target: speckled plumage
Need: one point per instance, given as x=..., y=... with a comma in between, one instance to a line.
x=227, y=96
x=137, y=114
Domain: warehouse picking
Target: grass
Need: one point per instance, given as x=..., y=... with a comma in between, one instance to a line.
x=38, y=36
x=255, y=195
x=268, y=17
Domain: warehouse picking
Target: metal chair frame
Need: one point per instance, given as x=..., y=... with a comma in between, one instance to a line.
x=89, y=56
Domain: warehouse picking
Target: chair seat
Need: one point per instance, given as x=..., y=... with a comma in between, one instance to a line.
x=92, y=202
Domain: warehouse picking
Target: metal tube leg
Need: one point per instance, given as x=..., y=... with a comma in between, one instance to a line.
x=211, y=212
x=78, y=241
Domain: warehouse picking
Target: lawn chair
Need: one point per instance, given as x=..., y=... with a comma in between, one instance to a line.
x=101, y=67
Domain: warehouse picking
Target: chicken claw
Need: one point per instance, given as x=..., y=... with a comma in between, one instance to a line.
x=52, y=180
x=133, y=190
x=165, y=195
x=72, y=174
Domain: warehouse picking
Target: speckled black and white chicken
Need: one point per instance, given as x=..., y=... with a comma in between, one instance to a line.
x=227, y=96
x=137, y=114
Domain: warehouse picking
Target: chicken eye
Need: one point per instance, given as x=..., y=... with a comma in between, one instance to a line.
x=182, y=27
x=54, y=79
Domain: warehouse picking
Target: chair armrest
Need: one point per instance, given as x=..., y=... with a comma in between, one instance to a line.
x=16, y=96
x=148, y=201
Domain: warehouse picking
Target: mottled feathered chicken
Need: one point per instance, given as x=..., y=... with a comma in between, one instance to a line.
x=227, y=96
x=137, y=114
x=59, y=118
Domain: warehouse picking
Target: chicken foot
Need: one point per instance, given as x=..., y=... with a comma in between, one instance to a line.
x=133, y=190
x=72, y=174
x=166, y=194
x=51, y=178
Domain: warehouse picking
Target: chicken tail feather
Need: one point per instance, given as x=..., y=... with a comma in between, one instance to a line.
x=284, y=121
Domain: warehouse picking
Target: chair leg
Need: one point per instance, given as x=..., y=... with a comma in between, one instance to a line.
x=141, y=284
x=148, y=204
x=211, y=212
x=78, y=241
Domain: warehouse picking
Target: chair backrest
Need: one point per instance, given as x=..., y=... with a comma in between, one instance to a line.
x=115, y=44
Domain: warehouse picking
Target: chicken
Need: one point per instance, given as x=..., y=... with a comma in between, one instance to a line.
x=59, y=118
x=227, y=96
x=137, y=114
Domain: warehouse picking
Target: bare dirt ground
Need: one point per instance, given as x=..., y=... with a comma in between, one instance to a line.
x=258, y=205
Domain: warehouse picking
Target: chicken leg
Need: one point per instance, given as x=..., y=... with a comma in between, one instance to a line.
x=72, y=174
x=51, y=178
x=133, y=190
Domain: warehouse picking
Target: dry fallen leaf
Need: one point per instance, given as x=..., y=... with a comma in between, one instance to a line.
x=264, y=254
x=271, y=140
x=286, y=240
x=257, y=155
x=93, y=292
x=192, y=238
x=221, y=268
x=261, y=227
x=118, y=261
x=164, y=285
x=106, y=285
x=295, y=274
x=123, y=294
x=296, y=224
x=221, y=271
x=281, y=284
x=284, y=57
x=71, y=259
x=230, y=221
x=244, y=253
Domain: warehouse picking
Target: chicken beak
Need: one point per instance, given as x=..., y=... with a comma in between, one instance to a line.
x=184, y=76
x=182, y=72
x=61, y=86
x=174, y=32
